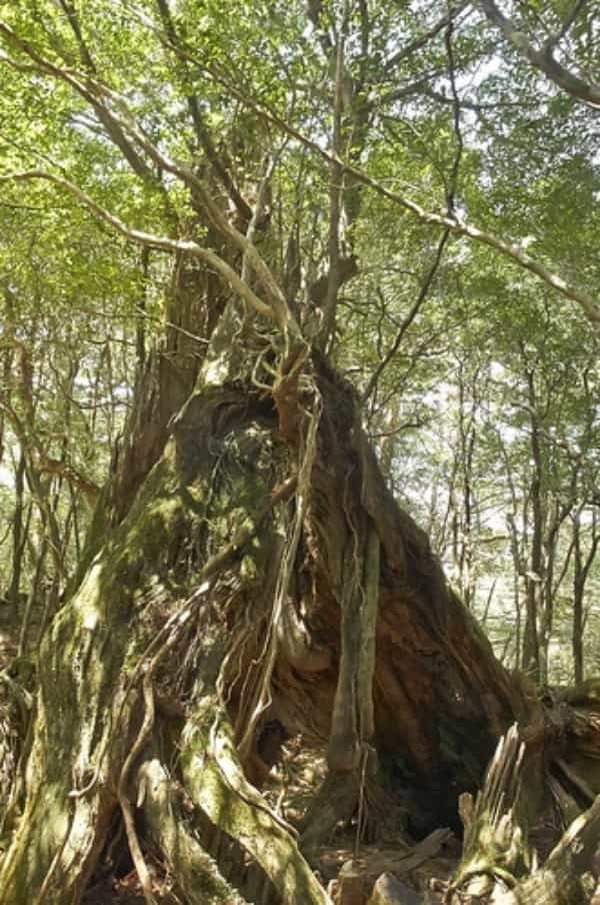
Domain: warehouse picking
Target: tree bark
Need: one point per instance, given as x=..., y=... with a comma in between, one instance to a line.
x=437, y=696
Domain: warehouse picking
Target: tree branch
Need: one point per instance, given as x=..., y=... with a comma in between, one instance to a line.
x=99, y=95
x=219, y=166
x=567, y=23
x=456, y=225
x=426, y=37
x=407, y=321
x=336, y=179
x=418, y=86
x=162, y=243
x=543, y=60
x=113, y=128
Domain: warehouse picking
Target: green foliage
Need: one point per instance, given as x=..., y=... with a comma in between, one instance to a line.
x=445, y=341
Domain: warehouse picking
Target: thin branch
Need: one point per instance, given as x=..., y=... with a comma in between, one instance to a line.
x=564, y=569
x=454, y=224
x=566, y=25
x=162, y=243
x=219, y=166
x=423, y=293
x=73, y=18
x=425, y=38
x=542, y=60
x=479, y=108
x=417, y=86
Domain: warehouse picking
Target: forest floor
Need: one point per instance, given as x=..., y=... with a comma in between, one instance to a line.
x=289, y=790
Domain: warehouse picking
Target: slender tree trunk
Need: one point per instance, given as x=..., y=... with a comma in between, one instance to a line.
x=581, y=568
x=20, y=530
x=534, y=583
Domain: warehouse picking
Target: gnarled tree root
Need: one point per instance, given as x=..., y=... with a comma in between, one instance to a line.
x=194, y=871
x=216, y=784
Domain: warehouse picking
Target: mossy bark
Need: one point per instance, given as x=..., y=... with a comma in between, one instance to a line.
x=83, y=721
x=229, y=581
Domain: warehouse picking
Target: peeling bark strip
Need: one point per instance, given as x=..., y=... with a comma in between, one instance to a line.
x=365, y=669
x=352, y=722
x=497, y=859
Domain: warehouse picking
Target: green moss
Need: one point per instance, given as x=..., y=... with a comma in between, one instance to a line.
x=218, y=786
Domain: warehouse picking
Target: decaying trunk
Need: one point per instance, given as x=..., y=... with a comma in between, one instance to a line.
x=249, y=578
x=263, y=573
x=503, y=860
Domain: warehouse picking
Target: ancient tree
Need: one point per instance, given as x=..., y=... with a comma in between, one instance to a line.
x=247, y=570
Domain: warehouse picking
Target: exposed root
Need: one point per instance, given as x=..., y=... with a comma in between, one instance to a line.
x=194, y=871
x=132, y=836
x=335, y=801
x=217, y=785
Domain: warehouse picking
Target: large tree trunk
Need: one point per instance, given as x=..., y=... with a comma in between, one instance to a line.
x=260, y=554
x=247, y=567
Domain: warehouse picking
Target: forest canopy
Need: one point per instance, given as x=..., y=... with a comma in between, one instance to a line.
x=299, y=383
